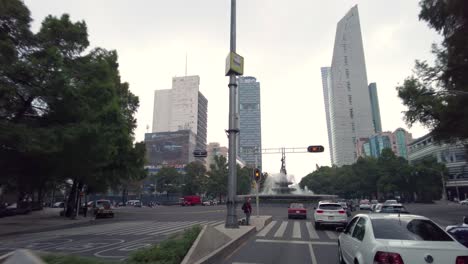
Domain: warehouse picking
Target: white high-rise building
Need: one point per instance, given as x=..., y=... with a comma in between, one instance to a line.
x=350, y=111
x=182, y=108
x=326, y=84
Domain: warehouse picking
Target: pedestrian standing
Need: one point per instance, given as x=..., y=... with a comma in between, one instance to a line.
x=247, y=208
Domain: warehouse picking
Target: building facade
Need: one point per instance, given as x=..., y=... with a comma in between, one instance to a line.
x=182, y=108
x=398, y=141
x=374, y=101
x=350, y=110
x=454, y=158
x=250, y=121
x=215, y=149
x=326, y=84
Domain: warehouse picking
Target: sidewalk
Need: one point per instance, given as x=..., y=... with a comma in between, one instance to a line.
x=36, y=221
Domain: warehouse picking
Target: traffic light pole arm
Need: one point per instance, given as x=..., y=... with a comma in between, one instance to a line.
x=286, y=150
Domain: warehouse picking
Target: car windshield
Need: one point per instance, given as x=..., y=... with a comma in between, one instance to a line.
x=404, y=229
x=330, y=206
x=391, y=202
x=393, y=208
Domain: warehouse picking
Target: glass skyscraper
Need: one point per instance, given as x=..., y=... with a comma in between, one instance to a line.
x=374, y=100
x=250, y=121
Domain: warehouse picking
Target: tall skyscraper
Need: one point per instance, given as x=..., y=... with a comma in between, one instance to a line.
x=326, y=84
x=374, y=100
x=182, y=108
x=250, y=122
x=350, y=111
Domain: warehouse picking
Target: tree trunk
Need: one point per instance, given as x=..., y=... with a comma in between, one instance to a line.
x=70, y=208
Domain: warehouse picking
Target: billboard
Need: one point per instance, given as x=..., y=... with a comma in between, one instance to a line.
x=172, y=149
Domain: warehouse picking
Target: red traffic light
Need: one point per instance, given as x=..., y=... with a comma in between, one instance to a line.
x=315, y=149
x=257, y=174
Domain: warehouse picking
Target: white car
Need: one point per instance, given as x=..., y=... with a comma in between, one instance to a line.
x=330, y=214
x=391, y=238
x=391, y=202
x=464, y=202
x=365, y=205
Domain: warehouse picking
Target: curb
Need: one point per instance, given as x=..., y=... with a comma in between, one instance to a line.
x=221, y=253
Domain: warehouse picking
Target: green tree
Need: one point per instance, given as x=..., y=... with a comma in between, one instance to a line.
x=194, y=178
x=168, y=180
x=217, y=178
x=436, y=95
x=244, y=182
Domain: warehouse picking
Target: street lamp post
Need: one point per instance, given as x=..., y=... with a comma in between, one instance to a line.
x=231, y=219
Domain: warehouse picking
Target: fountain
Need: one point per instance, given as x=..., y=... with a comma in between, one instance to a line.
x=283, y=183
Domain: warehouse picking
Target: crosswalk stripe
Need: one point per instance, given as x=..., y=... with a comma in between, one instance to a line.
x=331, y=235
x=119, y=228
x=266, y=229
x=281, y=229
x=296, y=230
x=178, y=227
x=312, y=233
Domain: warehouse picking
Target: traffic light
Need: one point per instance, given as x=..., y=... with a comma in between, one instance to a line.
x=315, y=149
x=257, y=174
x=200, y=153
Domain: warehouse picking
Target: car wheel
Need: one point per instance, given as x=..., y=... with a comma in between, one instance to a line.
x=317, y=226
x=340, y=255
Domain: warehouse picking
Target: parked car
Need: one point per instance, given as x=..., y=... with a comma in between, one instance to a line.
x=58, y=205
x=4, y=211
x=464, y=202
x=190, y=200
x=133, y=203
x=364, y=205
x=210, y=202
x=297, y=210
x=391, y=209
x=23, y=208
x=102, y=208
x=330, y=214
x=383, y=238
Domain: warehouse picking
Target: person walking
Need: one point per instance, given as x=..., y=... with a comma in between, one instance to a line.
x=247, y=208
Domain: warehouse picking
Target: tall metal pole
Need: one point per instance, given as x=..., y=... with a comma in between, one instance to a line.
x=231, y=219
x=256, y=184
x=444, y=195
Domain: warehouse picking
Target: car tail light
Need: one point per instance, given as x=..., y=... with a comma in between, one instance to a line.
x=341, y=211
x=462, y=260
x=388, y=258
x=319, y=211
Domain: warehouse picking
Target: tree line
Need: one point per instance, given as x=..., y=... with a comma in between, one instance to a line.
x=66, y=118
x=198, y=180
x=388, y=176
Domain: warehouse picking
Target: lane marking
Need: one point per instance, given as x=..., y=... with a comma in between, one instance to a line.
x=312, y=254
x=296, y=230
x=145, y=229
x=331, y=234
x=281, y=229
x=266, y=229
x=312, y=233
x=297, y=242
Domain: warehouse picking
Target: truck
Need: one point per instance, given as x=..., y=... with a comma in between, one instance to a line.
x=190, y=200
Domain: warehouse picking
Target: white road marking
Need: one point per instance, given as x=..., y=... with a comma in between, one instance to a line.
x=331, y=235
x=312, y=233
x=312, y=254
x=178, y=227
x=266, y=229
x=146, y=229
x=296, y=230
x=281, y=229
x=181, y=228
x=297, y=242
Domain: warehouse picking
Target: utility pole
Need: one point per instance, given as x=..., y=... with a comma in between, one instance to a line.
x=231, y=219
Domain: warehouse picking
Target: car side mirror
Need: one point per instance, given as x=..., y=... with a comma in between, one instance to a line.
x=340, y=229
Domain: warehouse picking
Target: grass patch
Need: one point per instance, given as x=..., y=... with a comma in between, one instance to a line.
x=69, y=259
x=170, y=251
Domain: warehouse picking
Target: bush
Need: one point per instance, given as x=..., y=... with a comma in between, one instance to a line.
x=169, y=251
x=61, y=259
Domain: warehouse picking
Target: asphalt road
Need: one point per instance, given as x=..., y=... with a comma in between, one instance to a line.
x=297, y=241
x=282, y=241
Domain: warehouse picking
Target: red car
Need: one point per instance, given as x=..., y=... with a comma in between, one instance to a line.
x=297, y=210
x=190, y=200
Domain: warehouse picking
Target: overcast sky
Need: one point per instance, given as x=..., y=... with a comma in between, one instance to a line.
x=284, y=44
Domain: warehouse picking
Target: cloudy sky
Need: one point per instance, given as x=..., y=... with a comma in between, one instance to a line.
x=284, y=44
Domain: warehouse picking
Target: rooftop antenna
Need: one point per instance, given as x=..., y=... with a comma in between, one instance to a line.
x=186, y=64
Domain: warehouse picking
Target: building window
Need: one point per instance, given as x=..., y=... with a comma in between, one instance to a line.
x=344, y=47
x=350, y=99
x=347, y=73
x=348, y=84
x=346, y=60
x=351, y=115
x=353, y=127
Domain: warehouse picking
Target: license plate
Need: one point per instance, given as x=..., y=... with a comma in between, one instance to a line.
x=330, y=218
x=298, y=212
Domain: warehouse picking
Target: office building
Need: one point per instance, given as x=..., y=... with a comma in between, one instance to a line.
x=250, y=125
x=182, y=108
x=453, y=155
x=326, y=84
x=349, y=107
x=372, y=146
x=374, y=101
